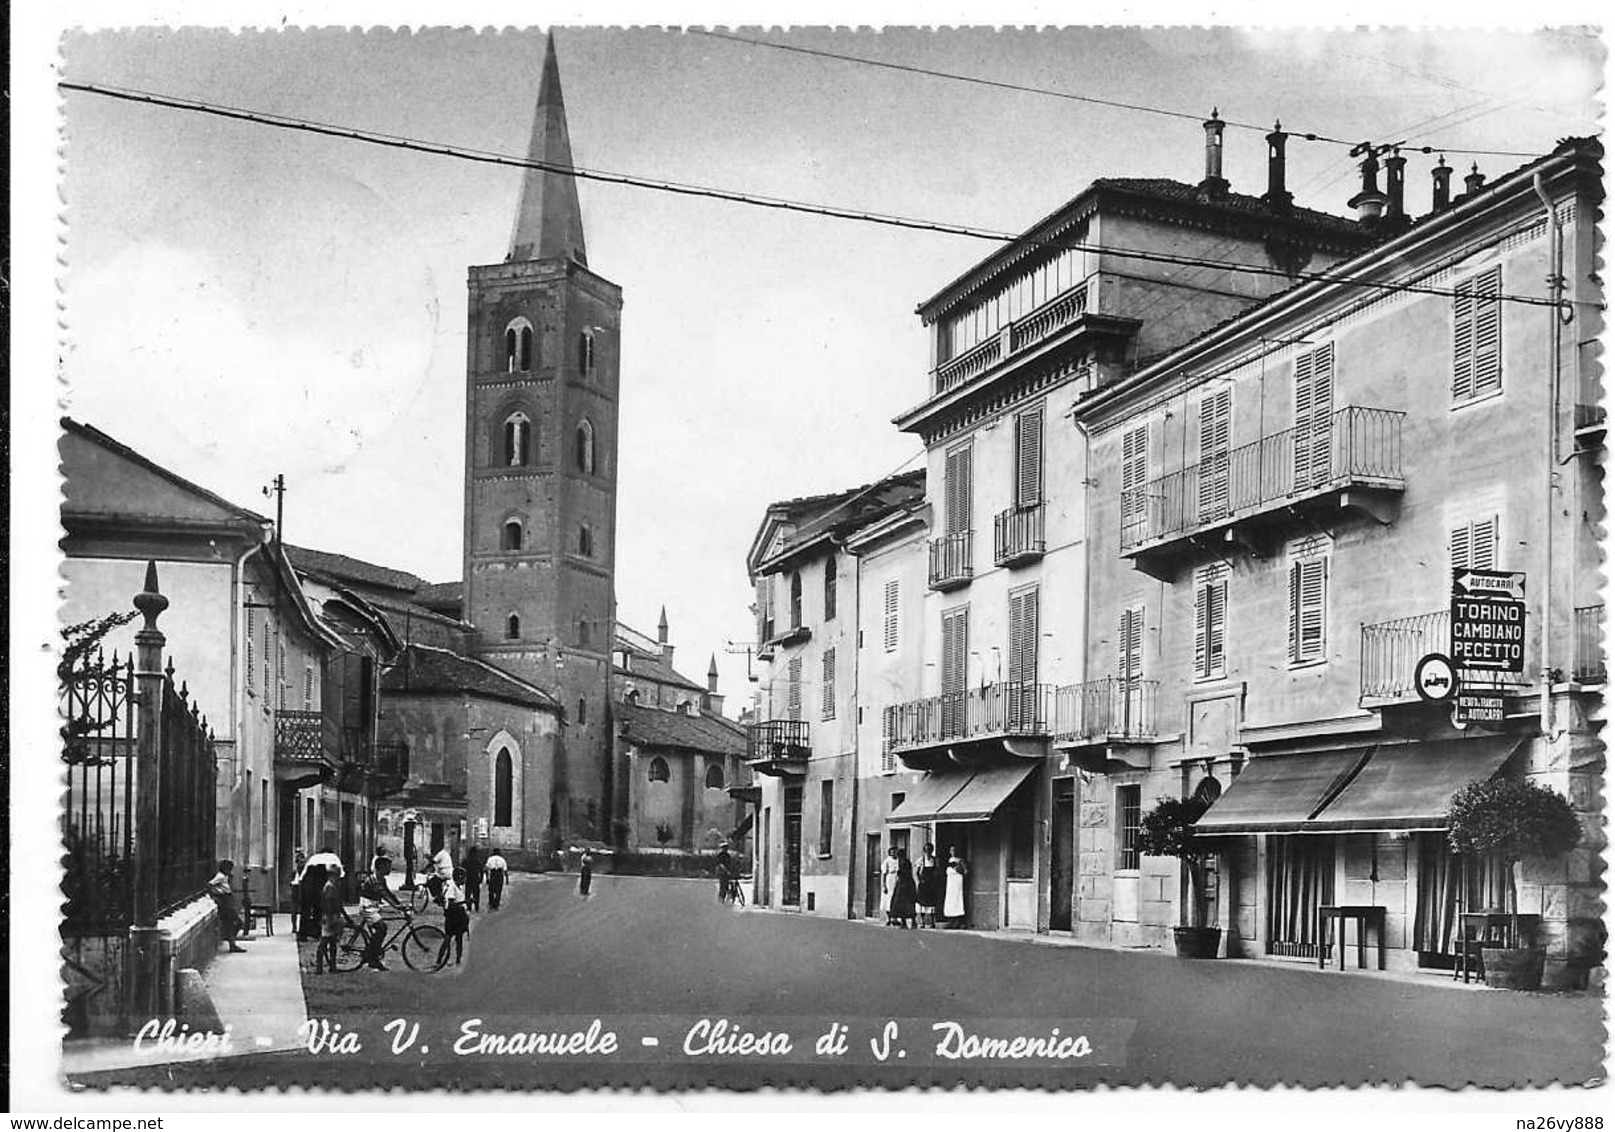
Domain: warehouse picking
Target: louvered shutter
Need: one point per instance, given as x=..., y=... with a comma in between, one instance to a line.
x=1303, y=419
x=765, y=608
x=957, y=492
x=1488, y=323
x=827, y=685
x=1023, y=637
x=1202, y=595
x=1135, y=473
x=1307, y=604
x=1483, y=544
x=1130, y=643
x=955, y=630
x=1214, y=432
x=252, y=623
x=890, y=627
x=1461, y=549
x=1314, y=408
x=1463, y=341
x=1216, y=624
x=1029, y=458
x=793, y=688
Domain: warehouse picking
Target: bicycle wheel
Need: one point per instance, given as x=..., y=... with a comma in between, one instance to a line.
x=422, y=947
x=350, y=950
x=421, y=899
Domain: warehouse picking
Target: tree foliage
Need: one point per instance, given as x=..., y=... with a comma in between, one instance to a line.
x=1512, y=818
x=1168, y=829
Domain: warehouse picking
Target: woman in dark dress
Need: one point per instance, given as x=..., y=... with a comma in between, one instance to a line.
x=903, y=892
x=928, y=890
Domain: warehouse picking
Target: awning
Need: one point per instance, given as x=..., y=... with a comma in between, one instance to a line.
x=960, y=795
x=1279, y=793
x=1410, y=786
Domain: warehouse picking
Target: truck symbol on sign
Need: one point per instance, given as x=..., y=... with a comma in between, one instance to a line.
x=1434, y=678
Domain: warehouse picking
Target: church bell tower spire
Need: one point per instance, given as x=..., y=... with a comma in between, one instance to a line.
x=549, y=223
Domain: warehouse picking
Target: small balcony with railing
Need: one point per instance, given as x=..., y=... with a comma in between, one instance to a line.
x=1018, y=535
x=1005, y=710
x=1104, y=711
x=952, y=563
x=778, y=746
x=300, y=738
x=1261, y=490
x=1391, y=650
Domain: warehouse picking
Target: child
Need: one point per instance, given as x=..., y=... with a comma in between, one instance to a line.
x=333, y=917
x=456, y=920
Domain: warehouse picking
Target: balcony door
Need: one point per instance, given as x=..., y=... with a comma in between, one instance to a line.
x=1216, y=413
x=1314, y=413
x=1021, y=695
x=955, y=646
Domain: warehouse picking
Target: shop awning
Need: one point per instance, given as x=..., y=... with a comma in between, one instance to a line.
x=1409, y=786
x=963, y=795
x=1280, y=793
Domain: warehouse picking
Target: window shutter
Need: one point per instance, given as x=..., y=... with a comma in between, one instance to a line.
x=1214, y=433
x=793, y=690
x=1216, y=625
x=954, y=631
x=1314, y=408
x=1202, y=598
x=308, y=688
x=252, y=632
x=1130, y=642
x=1303, y=418
x=1029, y=458
x=1307, y=608
x=890, y=627
x=830, y=588
x=1460, y=547
x=827, y=685
x=1488, y=321
x=1023, y=637
x=1483, y=544
x=1463, y=341
x=1135, y=472
x=1295, y=611
x=957, y=496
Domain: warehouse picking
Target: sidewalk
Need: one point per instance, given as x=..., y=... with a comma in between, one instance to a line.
x=258, y=995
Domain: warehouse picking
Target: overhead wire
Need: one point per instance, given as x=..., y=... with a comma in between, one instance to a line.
x=1009, y=239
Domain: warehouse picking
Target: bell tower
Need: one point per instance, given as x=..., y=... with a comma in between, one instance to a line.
x=541, y=465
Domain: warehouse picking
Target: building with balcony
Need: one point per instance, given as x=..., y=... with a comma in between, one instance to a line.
x=802, y=743
x=1278, y=509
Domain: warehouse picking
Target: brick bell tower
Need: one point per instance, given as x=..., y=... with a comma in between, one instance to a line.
x=541, y=466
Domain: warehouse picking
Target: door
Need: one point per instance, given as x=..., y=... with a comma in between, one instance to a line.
x=871, y=874
x=1062, y=835
x=792, y=893
x=765, y=881
x=955, y=646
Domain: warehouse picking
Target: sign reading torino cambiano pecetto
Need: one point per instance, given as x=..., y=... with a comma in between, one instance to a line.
x=1488, y=620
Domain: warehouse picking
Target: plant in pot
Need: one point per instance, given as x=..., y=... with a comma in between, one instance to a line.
x=1509, y=819
x=1168, y=831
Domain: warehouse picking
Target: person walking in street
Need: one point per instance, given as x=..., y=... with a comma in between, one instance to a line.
x=888, y=881
x=928, y=888
x=585, y=873
x=456, y=920
x=374, y=893
x=903, y=893
x=333, y=917
x=442, y=873
x=473, y=879
x=310, y=883
x=496, y=870
x=725, y=870
x=224, y=899
x=953, y=898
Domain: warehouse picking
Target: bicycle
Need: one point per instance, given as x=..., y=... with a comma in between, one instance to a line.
x=423, y=897
x=421, y=945
x=736, y=894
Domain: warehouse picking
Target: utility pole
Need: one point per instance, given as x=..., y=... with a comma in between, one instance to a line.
x=277, y=488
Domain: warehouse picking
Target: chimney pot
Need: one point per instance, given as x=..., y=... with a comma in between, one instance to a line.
x=1395, y=183
x=1441, y=186
x=1214, y=185
x=1369, y=201
x=1277, y=196
x=1474, y=180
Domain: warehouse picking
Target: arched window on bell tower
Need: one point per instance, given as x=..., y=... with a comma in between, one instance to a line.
x=513, y=627
x=586, y=353
x=512, y=537
x=503, y=773
x=585, y=447
x=519, y=346
x=518, y=440
x=585, y=541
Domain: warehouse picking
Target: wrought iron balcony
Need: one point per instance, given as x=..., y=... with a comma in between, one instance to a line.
x=1390, y=649
x=1004, y=710
x=1018, y=535
x=1268, y=480
x=1029, y=330
x=1106, y=710
x=300, y=736
x=951, y=561
x=1589, y=633
x=778, y=746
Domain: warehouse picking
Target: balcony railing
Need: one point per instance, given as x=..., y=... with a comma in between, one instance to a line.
x=1362, y=447
x=1392, y=648
x=299, y=736
x=1106, y=709
x=1003, y=709
x=1018, y=535
x=1589, y=641
x=951, y=561
x=778, y=741
x=1028, y=330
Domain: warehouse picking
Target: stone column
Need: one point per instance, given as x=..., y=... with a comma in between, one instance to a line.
x=150, y=989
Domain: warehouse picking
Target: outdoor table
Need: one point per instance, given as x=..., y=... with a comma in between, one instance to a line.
x=1495, y=927
x=1364, y=914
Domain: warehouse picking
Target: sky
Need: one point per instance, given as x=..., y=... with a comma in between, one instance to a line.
x=238, y=302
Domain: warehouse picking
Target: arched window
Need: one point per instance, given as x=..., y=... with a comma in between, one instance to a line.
x=585, y=447
x=583, y=631
x=583, y=711
x=519, y=346
x=714, y=776
x=585, y=541
x=513, y=628
x=658, y=769
x=796, y=600
x=502, y=781
x=512, y=539
x=586, y=353
x=518, y=440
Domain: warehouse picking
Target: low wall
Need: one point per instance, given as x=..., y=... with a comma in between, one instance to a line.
x=100, y=983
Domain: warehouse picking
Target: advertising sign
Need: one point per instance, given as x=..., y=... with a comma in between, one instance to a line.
x=1488, y=620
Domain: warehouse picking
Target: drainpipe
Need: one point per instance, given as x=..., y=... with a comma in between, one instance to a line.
x=1556, y=284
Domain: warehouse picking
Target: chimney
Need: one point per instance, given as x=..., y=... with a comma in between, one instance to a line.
x=1214, y=184
x=1474, y=180
x=1277, y=196
x=1441, y=185
x=712, y=673
x=1369, y=201
x=1395, y=182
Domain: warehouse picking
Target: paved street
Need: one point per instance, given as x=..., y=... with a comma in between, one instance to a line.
x=643, y=947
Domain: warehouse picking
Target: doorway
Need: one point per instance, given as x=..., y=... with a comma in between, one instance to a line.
x=792, y=892
x=871, y=875
x=1062, y=834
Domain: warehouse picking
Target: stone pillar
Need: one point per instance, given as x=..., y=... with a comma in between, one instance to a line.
x=149, y=981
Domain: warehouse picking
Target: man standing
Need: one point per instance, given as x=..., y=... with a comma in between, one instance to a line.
x=224, y=899
x=495, y=869
x=310, y=883
x=374, y=891
x=725, y=869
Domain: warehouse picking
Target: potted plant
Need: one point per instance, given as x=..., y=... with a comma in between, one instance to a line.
x=1511, y=819
x=1168, y=831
